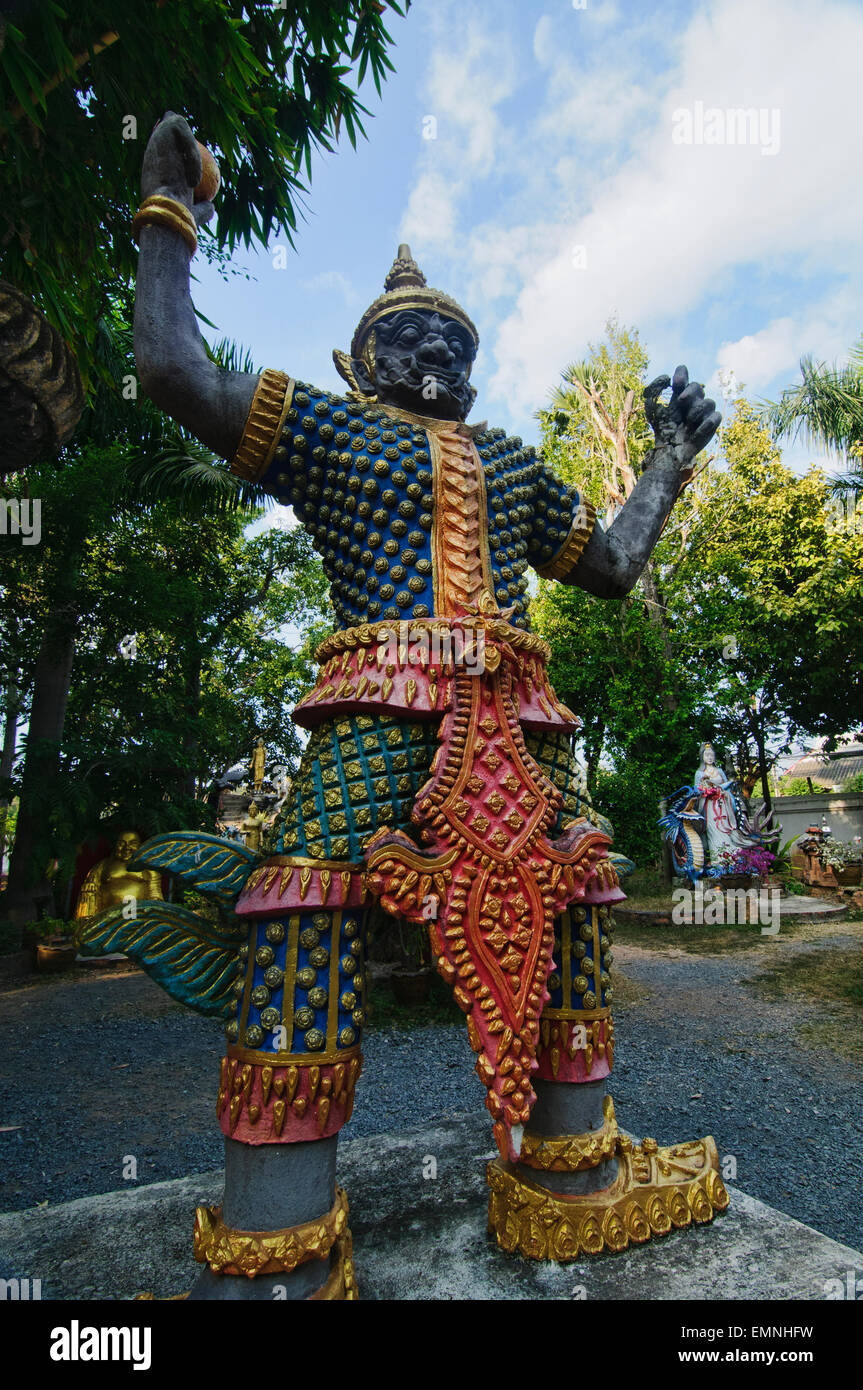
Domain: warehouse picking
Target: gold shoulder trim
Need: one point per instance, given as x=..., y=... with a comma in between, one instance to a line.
x=561, y=565
x=270, y=405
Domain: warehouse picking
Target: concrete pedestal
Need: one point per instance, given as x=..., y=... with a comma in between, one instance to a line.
x=418, y=1216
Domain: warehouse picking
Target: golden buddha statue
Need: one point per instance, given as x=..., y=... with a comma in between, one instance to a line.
x=259, y=763
x=111, y=882
x=253, y=828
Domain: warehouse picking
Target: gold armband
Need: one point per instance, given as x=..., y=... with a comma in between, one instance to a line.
x=561, y=565
x=161, y=211
x=263, y=429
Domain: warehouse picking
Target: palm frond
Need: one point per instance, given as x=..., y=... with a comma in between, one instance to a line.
x=232, y=356
x=186, y=471
x=825, y=408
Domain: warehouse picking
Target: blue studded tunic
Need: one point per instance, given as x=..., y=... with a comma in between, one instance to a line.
x=359, y=477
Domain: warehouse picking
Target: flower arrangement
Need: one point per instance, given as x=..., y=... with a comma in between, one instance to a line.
x=838, y=854
x=753, y=861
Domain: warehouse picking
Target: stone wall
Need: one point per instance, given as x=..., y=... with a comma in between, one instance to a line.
x=844, y=813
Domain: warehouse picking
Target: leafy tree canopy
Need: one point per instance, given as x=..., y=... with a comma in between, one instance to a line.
x=83, y=84
x=747, y=628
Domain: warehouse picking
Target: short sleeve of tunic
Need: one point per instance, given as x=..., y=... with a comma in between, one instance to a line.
x=561, y=524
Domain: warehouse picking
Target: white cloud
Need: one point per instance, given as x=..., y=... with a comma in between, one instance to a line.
x=757, y=358
x=544, y=43
x=327, y=281
x=430, y=217
x=673, y=219
x=471, y=72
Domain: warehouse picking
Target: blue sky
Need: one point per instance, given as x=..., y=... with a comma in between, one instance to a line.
x=555, y=194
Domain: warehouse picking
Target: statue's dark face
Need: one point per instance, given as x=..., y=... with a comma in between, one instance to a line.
x=422, y=361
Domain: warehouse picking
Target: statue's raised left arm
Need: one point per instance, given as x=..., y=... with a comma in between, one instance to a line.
x=173, y=365
x=609, y=563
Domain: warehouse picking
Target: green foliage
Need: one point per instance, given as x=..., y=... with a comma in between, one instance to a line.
x=826, y=408
x=773, y=572
x=854, y=784
x=628, y=796
x=223, y=623
x=48, y=928
x=609, y=665
x=793, y=886
x=747, y=627
x=798, y=786
x=262, y=85
x=578, y=452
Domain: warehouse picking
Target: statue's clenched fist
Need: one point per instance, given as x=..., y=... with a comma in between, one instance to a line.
x=172, y=165
x=684, y=426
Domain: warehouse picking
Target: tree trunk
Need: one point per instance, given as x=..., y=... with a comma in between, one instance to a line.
x=593, y=751
x=29, y=888
x=763, y=772
x=188, y=785
x=657, y=614
x=10, y=746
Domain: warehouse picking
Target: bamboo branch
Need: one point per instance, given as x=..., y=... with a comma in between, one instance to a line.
x=79, y=59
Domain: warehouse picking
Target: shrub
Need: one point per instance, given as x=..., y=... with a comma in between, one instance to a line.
x=628, y=797
x=798, y=786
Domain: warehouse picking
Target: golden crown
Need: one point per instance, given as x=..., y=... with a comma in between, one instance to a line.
x=405, y=288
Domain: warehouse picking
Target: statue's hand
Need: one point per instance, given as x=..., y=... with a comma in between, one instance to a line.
x=684, y=426
x=172, y=165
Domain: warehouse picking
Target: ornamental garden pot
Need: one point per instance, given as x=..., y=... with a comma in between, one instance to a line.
x=849, y=875
x=53, y=956
x=737, y=881
x=411, y=986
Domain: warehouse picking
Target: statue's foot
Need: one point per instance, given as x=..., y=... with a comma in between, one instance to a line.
x=583, y=1194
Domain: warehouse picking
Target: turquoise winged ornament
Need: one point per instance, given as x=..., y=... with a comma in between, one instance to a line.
x=194, y=958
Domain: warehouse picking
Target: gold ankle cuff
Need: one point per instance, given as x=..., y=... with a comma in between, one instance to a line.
x=227, y=1251
x=341, y=1284
x=572, y=1153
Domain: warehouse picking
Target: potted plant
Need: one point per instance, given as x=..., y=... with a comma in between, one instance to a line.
x=784, y=870
x=843, y=857
x=55, y=947
x=738, y=868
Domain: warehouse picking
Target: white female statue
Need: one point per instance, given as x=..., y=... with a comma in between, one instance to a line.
x=723, y=812
x=707, y=823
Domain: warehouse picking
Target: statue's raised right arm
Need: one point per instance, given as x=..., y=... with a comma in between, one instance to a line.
x=172, y=361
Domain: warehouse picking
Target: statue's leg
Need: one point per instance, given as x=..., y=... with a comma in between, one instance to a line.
x=580, y=1185
x=286, y=1088
x=293, y=1056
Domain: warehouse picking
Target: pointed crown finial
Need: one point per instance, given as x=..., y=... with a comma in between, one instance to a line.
x=404, y=273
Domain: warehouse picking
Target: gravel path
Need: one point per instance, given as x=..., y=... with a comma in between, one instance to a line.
x=705, y=1054
x=104, y=1065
